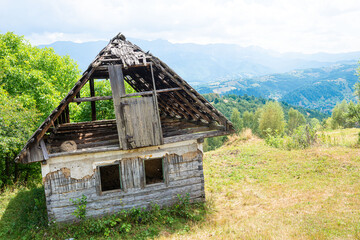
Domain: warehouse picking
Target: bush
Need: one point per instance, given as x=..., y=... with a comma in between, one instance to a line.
x=302, y=137
x=272, y=117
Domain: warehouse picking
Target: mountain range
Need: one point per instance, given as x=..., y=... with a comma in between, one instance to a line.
x=198, y=63
x=310, y=80
x=316, y=88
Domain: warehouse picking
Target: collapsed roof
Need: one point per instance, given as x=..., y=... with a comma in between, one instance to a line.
x=176, y=98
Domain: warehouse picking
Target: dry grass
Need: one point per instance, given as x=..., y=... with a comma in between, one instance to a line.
x=341, y=137
x=259, y=192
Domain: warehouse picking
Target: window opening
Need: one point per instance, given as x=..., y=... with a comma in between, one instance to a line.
x=110, y=177
x=154, y=171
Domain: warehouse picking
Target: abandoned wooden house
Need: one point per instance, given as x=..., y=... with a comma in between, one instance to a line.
x=150, y=152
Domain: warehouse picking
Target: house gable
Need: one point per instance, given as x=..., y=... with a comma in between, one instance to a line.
x=183, y=114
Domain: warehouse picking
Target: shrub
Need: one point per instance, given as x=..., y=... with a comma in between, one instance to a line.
x=80, y=203
x=302, y=137
x=272, y=117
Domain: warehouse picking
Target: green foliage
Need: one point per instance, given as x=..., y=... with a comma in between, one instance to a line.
x=214, y=143
x=104, y=109
x=182, y=207
x=353, y=114
x=339, y=117
x=18, y=119
x=302, y=137
x=326, y=123
x=249, y=108
x=272, y=117
x=296, y=119
x=32, y=82
x=24, y=213
x=80, y=203
x=35, y=74
x=236, y=120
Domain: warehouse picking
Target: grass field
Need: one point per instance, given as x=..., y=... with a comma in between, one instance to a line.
x=260, y=192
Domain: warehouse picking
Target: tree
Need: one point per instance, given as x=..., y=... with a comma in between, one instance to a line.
x=256, y=127
x=296, y=119
x=354, y=109
x=248, y=119
x=17, y=122
x=340, y=116
x=272, y=119
x=354, y=112
x=214, y=142
x=34, y=73
x=236, y=120
x=32, y=82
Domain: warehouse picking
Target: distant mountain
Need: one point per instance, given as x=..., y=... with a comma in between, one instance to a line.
x=316, y=88
x=211, y=62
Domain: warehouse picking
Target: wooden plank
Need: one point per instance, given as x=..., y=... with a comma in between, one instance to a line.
x=99, y=98
x=117, y=82
x=91, y=99
x=157, y=123
x=191, y=136
x=82, y=151
x=44, y=150
x=141, y=122
x=118, y=90
x=151, y=92
x=92, y=94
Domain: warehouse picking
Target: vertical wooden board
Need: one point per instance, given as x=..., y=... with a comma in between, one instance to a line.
x=44, y=149
x=132, y=171
x=118, y=90
x=135, y=123
x=129, y=175
x=116, y=82
x=157, y=124
x=165, y=162
x=142, y=173
x=123, y=175
x=140, y=121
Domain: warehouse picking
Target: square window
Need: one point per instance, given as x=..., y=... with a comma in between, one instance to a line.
x=154, y=171
x=110, y=177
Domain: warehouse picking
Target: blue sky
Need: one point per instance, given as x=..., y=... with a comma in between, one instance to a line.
x=283, y=25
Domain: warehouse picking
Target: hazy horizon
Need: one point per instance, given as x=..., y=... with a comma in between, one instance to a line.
x=278, y=25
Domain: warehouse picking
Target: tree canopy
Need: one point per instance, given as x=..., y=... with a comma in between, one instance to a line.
x=37, y=75
x=272, y=119
x=32, y=83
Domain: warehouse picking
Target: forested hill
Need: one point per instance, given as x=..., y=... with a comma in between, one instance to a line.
x=227, y=103
x=316, y=88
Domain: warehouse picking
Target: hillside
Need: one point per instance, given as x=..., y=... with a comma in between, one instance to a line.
x=316, y=88
x=259, y=192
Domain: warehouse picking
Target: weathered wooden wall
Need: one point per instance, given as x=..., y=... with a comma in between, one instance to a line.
x=71, y=176
x=70, y=137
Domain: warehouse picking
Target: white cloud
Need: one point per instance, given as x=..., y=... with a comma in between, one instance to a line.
x=282, y=25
